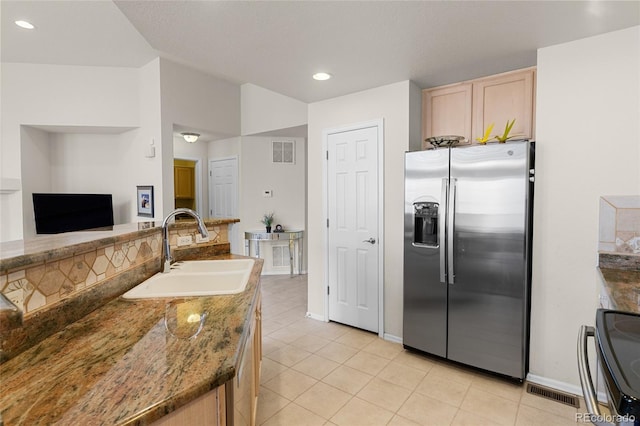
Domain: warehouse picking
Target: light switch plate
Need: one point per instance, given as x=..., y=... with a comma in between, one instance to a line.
x=16, y=297
x=185, y=240
x=199, y=239
x=267, y=193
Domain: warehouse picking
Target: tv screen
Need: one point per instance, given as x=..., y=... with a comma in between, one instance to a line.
x=56, y=213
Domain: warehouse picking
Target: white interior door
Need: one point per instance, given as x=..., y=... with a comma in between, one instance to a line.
x=223, y=188
x=352, y=202
x=223, y=194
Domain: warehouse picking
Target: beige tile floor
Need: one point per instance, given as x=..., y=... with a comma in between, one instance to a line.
x=316, y=373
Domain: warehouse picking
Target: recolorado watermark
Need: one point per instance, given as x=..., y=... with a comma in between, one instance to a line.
x=608, y=418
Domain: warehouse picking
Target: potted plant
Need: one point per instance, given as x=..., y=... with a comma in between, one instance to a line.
x=267, y=220
x=487, y=135
x=507, y=129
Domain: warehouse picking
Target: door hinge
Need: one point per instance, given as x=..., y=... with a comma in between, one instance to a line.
x=328, y=291
x=209, y=173
x=327, y=155
x=327, y=223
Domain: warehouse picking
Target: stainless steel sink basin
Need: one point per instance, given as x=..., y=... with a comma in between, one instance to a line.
x=196, y=278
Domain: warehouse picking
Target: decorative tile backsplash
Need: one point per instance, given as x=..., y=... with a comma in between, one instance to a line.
x=620, y=224
x=44, y=283
x=47, y=282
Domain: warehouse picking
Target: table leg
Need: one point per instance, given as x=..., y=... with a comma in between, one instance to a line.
x=291, y=257
x=300, y=245
x=257, y=248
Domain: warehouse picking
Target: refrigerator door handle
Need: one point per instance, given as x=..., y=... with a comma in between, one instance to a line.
x=442, y=214
x=451, y=210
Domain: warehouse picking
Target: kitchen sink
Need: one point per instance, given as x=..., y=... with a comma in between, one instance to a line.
x=196, y=278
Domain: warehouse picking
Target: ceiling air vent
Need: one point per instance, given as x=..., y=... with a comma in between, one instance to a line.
x=554, y=395
x=283, y=152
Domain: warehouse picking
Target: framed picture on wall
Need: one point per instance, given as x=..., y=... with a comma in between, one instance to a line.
x=144, y=200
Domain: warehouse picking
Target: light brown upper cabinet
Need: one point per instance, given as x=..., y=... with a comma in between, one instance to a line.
x=447, y=111
x=468, y=108
x=502, y=98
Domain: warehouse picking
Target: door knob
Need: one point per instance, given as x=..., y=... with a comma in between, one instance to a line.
x=370, y=241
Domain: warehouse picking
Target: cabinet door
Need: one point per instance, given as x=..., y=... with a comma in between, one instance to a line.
x=502, y=98
x=184, y=182
x=257, y=355
x=447, y=111
x=205, y=410
x=247, y=380
x=243, y=398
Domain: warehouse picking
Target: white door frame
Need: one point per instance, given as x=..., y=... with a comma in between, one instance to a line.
x=325, y=208
x=198, y=181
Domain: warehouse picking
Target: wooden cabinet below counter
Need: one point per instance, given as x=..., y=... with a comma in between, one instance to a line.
x=468, y=108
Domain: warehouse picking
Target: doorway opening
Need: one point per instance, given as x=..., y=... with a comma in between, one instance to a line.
x=184, y=185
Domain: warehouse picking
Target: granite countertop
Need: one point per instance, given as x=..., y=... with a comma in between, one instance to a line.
x=623, y=288
x=18, y=253
x=121, y=365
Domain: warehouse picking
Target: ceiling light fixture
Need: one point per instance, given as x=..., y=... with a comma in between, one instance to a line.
x=190, y=137
x=321, y=76
x=25, y=24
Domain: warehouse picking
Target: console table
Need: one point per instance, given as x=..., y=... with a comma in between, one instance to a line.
x=293, y=237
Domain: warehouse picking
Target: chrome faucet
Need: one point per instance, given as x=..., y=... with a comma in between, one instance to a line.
x=165, y=233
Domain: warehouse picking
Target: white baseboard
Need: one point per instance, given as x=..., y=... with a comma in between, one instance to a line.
x=562, y=386
x=315, y=317
x=392, y=338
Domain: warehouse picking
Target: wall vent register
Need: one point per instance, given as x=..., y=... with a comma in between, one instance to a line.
x=283, y=152
x=280, y=256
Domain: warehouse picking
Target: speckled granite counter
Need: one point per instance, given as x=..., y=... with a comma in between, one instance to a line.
x=120, y=364
x=14, y=254
x=623, y=288
x=620, y=273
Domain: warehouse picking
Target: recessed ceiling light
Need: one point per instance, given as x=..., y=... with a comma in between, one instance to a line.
x=321, y=76
x=25, y=24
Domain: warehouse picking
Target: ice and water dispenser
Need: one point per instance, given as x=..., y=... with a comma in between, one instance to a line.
x=425, y=228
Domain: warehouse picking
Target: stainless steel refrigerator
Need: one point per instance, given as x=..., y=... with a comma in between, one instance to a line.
x=467, y=254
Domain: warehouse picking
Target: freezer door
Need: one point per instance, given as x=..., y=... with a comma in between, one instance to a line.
x=488, y=290
x=425, y=290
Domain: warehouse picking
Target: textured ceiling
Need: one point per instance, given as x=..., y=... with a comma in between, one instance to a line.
x=278, y=45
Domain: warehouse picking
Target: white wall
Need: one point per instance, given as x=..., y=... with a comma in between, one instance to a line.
x=393, y=104
x=224, y=148
x=36, y=171
x=97, y=98
x=148, y=171
x=264, y=110
x=287, y=181
x=199, y=101
x=94, y=163
x=95, y=101
x=588, y=145
x=83, y=163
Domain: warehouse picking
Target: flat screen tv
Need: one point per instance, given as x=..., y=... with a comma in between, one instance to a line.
x=56, y=213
